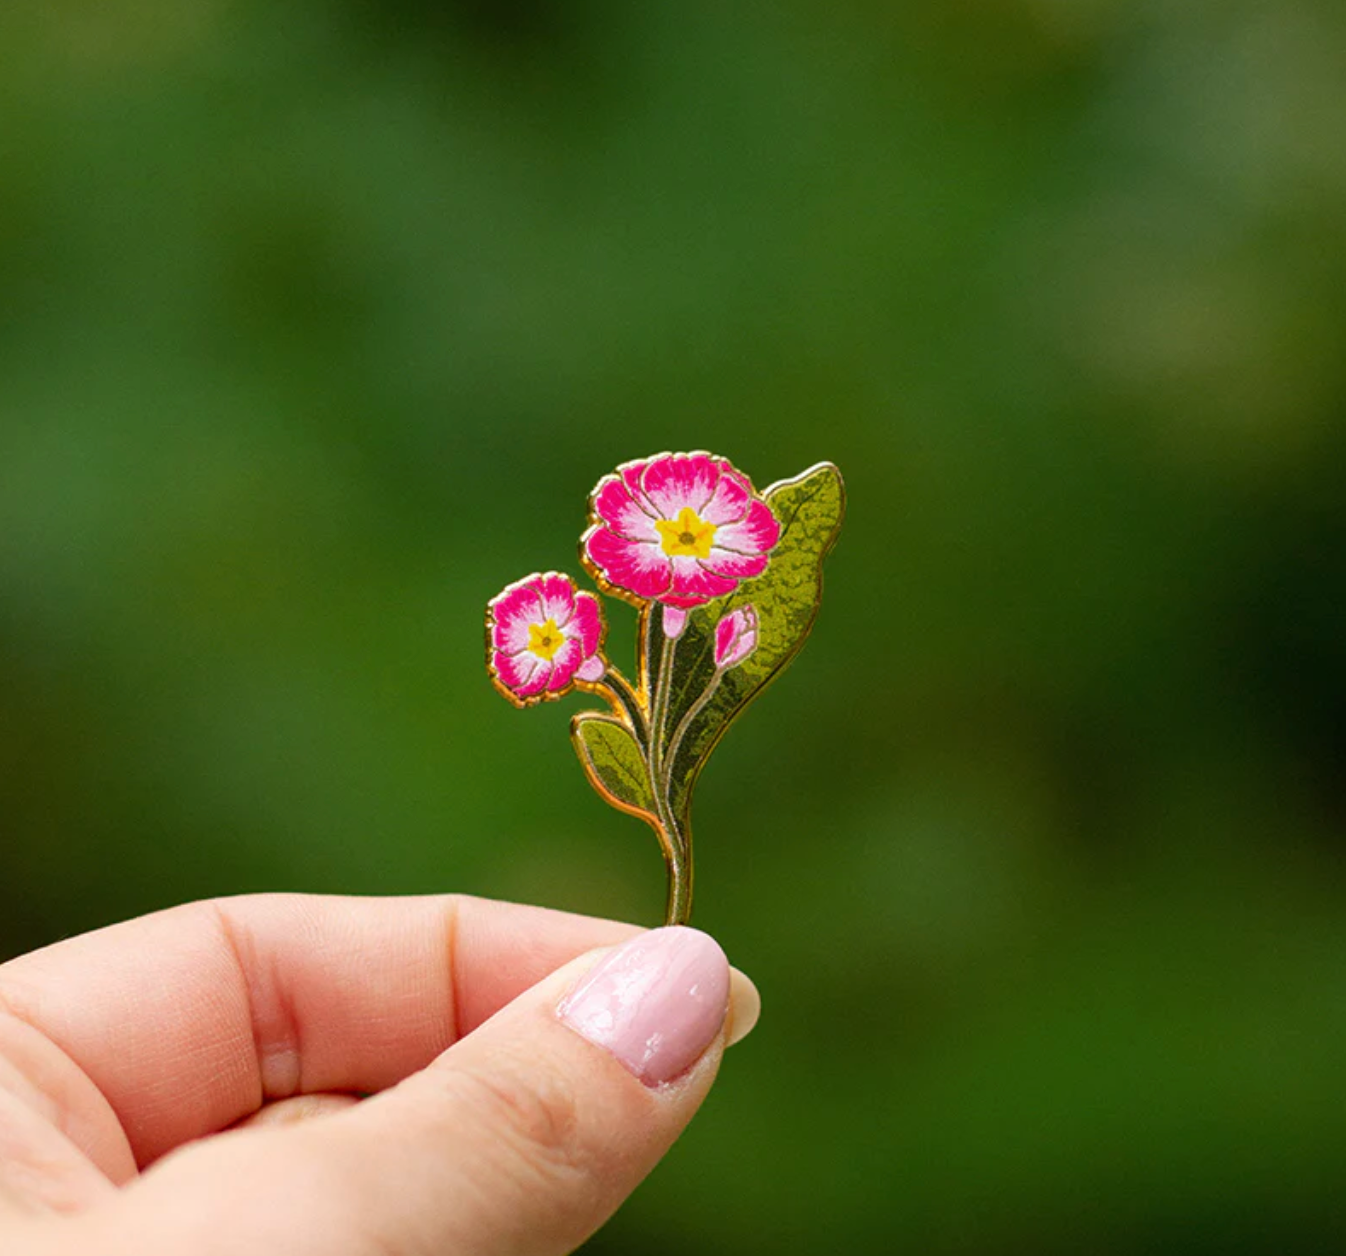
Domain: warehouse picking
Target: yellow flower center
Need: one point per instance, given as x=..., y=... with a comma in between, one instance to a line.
x=686, y=536
x=545, y=639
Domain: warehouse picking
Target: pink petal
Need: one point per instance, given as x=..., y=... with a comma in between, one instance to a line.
x=524, y=673
x=591, y=669
x=734, y=566
x=640, y=567
x=512, y=610
x=675, y=602
x=692, y=580
x=729, y=502
x=724, y=638
x=586, y=625
x=675, y=620
x=631, y=473
x=756, y=534
x=678, y=480
x=558, y=597
x=564, y=664
x=621, y=512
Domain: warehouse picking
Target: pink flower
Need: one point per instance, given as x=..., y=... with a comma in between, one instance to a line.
x=542, y=634
x=678, y=529
x=735, y=637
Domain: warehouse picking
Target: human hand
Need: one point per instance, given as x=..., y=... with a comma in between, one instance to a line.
x=187, y=1082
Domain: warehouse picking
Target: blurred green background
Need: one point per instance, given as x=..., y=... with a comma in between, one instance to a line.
x=320, y=317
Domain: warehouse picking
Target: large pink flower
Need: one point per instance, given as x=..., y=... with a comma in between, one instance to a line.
x=542, y=634
x=678, y=529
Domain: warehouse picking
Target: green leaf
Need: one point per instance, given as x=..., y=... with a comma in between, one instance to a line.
x=810, y=508
x=613, y=762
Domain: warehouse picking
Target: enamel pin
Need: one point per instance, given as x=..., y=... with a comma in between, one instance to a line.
x=727, y=583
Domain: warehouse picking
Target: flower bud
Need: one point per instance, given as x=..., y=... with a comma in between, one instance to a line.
x=735, y=637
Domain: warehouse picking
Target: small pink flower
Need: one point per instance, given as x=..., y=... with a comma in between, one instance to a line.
x=735, y=637
x=542, y=635
x=678, y=529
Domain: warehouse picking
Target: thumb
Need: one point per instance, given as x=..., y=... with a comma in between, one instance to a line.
x=522, y=1138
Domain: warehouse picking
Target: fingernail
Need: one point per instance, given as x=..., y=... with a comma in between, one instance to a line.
x=745, y=1006
x=656, y=1003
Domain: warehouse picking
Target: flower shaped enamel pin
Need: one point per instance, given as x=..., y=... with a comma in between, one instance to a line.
x=727, y=582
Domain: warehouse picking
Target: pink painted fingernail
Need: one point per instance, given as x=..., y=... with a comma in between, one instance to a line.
x=656, y=1002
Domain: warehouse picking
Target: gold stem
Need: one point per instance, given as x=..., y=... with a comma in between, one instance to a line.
x=677, y=850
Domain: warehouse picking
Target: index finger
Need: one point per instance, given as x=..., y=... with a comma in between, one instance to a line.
x=192, y=1018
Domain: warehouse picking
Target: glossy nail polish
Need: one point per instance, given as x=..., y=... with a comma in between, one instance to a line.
x=656, y=1003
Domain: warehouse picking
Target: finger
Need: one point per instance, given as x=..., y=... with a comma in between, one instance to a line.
x=41, y=1170
x=46, y=1127
x=520, y=1139
x=745, y=1006
x=300, y=1108
x=189, y=1020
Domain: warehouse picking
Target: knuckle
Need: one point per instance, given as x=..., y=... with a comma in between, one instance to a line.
x=532, y=1113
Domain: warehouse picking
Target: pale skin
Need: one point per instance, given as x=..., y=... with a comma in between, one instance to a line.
x=189, y=1082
